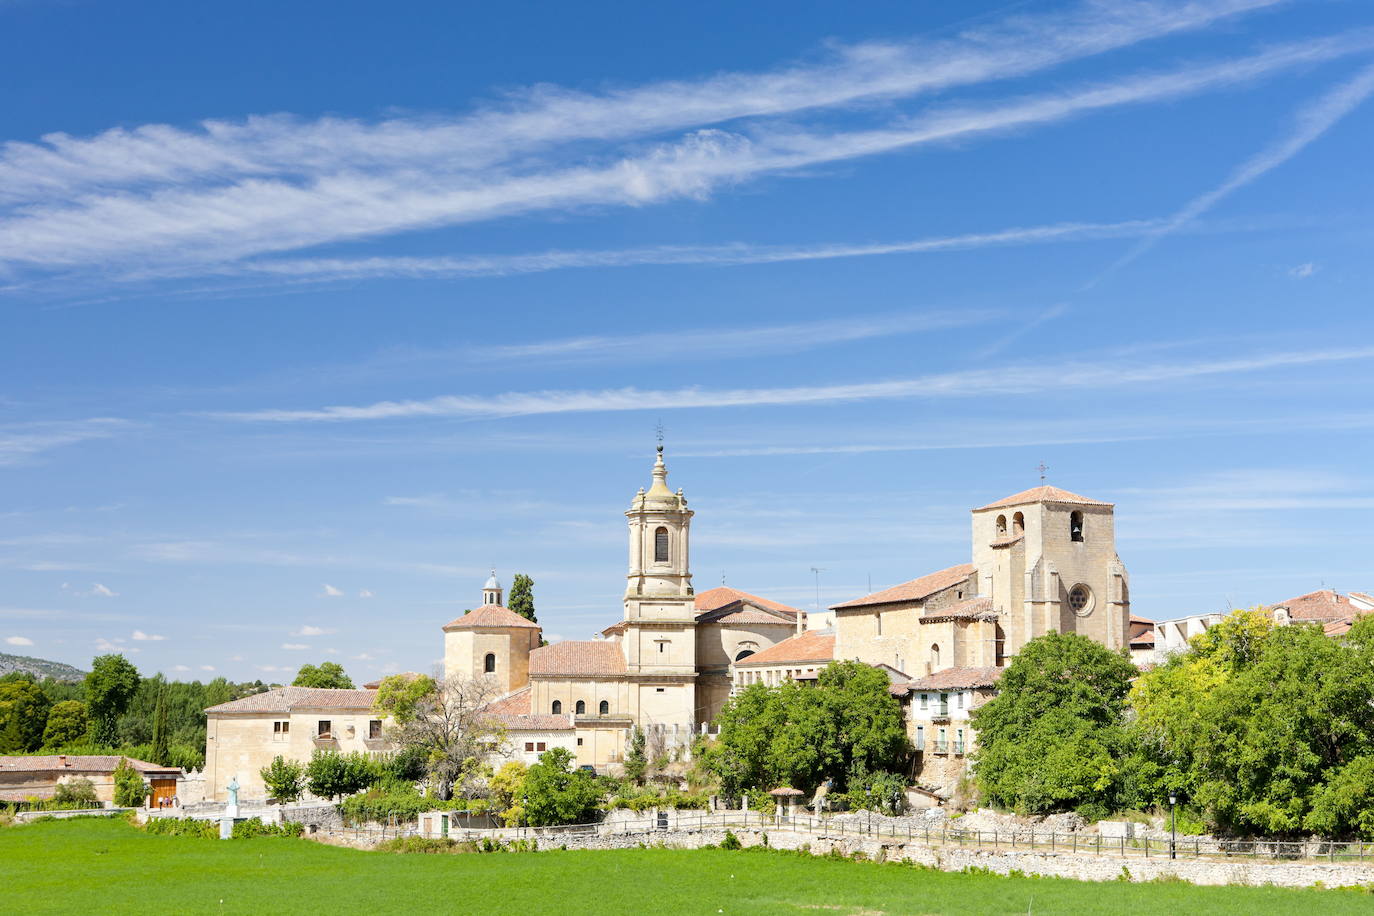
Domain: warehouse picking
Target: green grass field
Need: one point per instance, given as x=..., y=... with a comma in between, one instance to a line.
x=107, y=866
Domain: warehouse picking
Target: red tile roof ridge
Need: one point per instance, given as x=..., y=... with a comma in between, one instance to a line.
x=812, y=646
x=489, y=615
x=43, y=763
x=1042, y=494
x=714, y=599
x=578, y=658
x=915, y=590
x=284, y=699
x=957, y=678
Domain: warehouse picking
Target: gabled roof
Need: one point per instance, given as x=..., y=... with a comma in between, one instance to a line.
x=285, y=699
x=1324, y=604
x=513, y=712
x=957, y=679
x=915, y=590
x=722, y=596
x=1045, y=494
x=489, y=615
x=968, y=609
x=815, y=646
x=76, y=763
x=578, y=658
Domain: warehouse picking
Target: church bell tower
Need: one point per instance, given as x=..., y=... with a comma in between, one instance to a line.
x=659, y=640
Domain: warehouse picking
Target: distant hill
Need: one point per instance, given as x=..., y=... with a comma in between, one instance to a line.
x=39, y=667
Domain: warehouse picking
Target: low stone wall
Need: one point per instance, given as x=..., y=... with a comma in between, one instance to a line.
x=953, y=859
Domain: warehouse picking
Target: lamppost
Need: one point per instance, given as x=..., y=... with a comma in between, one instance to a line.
x=1173, y=827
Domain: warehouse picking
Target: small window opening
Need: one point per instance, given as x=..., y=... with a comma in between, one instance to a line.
x=1018, y=523
x=557, y=707
x=1001, y=526
x=604, y=708
x=489, y=663
x=324, y=728
x=661, y=545
x=581, y=708
x=1076, y=526
x=374, y=729
x=935, y=656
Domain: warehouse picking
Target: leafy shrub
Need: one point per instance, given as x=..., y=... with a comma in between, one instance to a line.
x=254, y=827
x=76, y=793
x=408, y=844
x=731, y=841
x=401, y=801
x=284, y=779
x=182, y=826
x=129, y=788
x=333, y=775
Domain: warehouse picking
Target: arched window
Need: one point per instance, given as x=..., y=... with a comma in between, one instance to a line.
x=557, y=707
x=605, y=708
x=1018, y=523
x=581, y=708
x=743, y=655
x=1001, y=526
x=1076, y=526
x=489, y=663
x=934, y=656
x=661, y=545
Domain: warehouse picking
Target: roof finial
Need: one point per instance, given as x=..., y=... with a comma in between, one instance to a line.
x=658, y=432
x=1042, y=468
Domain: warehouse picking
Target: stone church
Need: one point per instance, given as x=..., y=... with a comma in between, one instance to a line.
x=1042, y=560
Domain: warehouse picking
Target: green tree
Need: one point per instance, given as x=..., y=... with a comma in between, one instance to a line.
x=1343, y=806
x=521, y=597
x=67, y=724
x=129, y=789
x=555, y=793
x=219, y=691
x=161, y=752
x=110, y=687
x=327, y=674
x=635, y=760
x=23, y=713
x=508, y=792
x=284, y=779
x=333, y=775
x=447, y=722
x=1053, y=738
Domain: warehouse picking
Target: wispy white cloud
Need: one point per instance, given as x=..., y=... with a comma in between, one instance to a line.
x=331, y=592
x=308, y=630
x=158, y=155
x=323, y=269
x=1302, y=271
x=1310, y=124
x=181, y=667
x=294, y=646
x=21, y=443
x=18, y=641
x=365, y=593
x=103, y=591
x=140, y=636
x=1011, y=380
x=203, y=224
x=207, y=667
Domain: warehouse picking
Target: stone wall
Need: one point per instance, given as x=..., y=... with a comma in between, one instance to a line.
x=954, y=859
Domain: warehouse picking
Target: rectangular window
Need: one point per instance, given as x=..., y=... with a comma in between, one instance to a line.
x=280, y=730
x=541, y=746
x=662, y=647
x=878, y=618
x=529, y=747
x=374, y=729
x=579, y=742
x=925, y=701
x=325, y=728
x=658, y=690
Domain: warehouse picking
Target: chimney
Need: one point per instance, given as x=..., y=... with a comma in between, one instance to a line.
x=801, y=621
x=62, y=760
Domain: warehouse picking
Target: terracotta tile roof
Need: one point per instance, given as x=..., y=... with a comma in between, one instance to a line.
x=1319, y=605
x=749, y=615
x=1006, y=541
x=957, y=679
x=1339, y=627
x=968, y=609
x=285, y=699
x=1362, y=598
x=77, y=763
x=489, y=615
x=1044, y=494
x=1142, y=635
x=915, y=590
x=815, y=646
x=513, y=711
x=723, y=596
x=18, y=795
x=578, y=658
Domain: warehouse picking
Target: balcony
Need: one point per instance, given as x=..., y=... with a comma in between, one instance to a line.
x=959, y=748
x=942, y=747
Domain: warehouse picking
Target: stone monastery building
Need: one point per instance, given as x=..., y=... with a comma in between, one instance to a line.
x=1042, y=560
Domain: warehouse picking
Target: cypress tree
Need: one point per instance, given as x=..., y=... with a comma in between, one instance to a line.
x=521, y=599
x=161, y=753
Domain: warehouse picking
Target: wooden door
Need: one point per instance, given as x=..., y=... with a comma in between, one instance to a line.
x=163, y=791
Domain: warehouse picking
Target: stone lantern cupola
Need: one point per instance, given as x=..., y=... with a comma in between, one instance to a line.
x=491, y=592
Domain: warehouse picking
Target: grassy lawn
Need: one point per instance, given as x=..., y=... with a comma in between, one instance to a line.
x=102, y=866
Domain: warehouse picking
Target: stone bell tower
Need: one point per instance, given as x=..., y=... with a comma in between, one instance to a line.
x=659, y=639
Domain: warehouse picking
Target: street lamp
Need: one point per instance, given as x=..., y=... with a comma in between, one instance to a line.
x=1173, y=826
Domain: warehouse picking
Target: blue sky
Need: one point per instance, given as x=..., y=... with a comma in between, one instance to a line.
x=315, y=312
